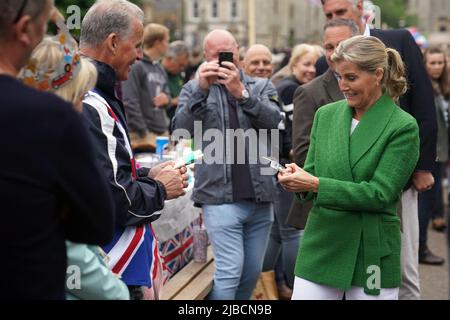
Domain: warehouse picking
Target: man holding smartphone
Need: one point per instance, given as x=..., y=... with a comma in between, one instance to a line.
x=236, y=198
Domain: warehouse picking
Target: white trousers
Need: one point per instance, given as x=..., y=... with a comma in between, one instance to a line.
x=307, y=290
x=410, y=288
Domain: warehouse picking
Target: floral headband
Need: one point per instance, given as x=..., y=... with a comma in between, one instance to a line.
x=37, y=76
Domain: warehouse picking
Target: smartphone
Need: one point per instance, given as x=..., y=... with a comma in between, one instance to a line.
x=274, y=164
x=225, y=56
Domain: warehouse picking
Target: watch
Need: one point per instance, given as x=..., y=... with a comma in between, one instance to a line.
x=245, y=96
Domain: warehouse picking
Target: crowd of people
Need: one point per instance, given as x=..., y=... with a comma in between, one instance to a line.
x=362, y=140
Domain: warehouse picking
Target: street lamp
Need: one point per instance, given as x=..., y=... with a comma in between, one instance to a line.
x=251, y=22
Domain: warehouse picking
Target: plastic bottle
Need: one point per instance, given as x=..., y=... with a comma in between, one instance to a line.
x=200, y=243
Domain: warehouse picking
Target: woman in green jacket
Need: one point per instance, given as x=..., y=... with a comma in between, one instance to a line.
x=363, y=151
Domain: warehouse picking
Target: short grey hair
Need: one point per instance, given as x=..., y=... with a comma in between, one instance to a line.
x=9, y=9
x=106, y=17
x=176, y=49
x=354, y=2
x=342, y=23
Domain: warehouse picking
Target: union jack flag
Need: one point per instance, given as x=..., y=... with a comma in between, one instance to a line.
x=178, y=251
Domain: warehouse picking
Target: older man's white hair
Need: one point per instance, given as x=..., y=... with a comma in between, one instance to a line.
x=106, y=17
x=354, y=2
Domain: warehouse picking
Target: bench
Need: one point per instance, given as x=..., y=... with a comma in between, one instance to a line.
x=193, y=282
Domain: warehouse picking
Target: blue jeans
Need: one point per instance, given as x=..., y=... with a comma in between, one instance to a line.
x=284, y=240
x=239, y=233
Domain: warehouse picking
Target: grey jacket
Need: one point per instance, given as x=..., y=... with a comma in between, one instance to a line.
x=213, y=183
x=442, y=125
x=147, y=79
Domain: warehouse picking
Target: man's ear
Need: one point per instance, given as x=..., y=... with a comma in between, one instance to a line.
x=22, y=29
x=112, y=43
x=360, y=8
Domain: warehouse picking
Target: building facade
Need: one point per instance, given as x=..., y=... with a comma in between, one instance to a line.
x=276, y=23
x=165, y=12
x=434, y=19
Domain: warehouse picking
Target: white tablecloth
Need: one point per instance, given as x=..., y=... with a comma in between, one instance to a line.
x=174, y=228
x=176, y=216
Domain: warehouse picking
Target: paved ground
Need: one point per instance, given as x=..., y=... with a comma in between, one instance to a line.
x=435, y=279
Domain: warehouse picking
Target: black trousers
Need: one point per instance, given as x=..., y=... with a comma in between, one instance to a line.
x=136, y=293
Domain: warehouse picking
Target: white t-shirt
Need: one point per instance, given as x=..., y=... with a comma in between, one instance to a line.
x=354, y=125
x=367, y=31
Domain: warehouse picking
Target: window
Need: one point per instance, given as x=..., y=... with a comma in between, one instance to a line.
x=233, y=9
x=443, y=24
x=195, y=9
x=292, y=11
x=275, y=6
x=215, y=9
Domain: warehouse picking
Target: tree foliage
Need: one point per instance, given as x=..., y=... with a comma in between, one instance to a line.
x=394, y=13
x=84, y=5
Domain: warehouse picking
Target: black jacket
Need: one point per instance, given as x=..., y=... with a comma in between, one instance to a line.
x=286, y=89
x=51, y=190
x=137, y=198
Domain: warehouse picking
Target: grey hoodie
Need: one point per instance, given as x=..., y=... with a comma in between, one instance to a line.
x=146, y=80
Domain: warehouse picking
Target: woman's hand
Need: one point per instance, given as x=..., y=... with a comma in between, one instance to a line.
x=295, y=179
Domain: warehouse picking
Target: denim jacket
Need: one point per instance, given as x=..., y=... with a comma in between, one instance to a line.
x=213, y=183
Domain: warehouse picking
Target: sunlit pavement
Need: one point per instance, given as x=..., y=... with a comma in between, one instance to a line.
x=434, y=280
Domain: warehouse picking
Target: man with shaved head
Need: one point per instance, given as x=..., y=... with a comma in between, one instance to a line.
x=258, y=61
x=236, y=198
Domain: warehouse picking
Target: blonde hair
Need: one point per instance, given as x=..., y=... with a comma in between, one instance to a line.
x=154, y=32
x=299, y=51
x=48, y=56
x=370, y=54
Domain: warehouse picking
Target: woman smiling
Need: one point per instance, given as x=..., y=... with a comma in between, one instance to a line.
x=362, y=153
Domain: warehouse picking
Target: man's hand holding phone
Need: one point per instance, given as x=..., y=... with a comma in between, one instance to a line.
x=208, y=74
x=229, y=75
x=225, y=57
x=223, y=71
